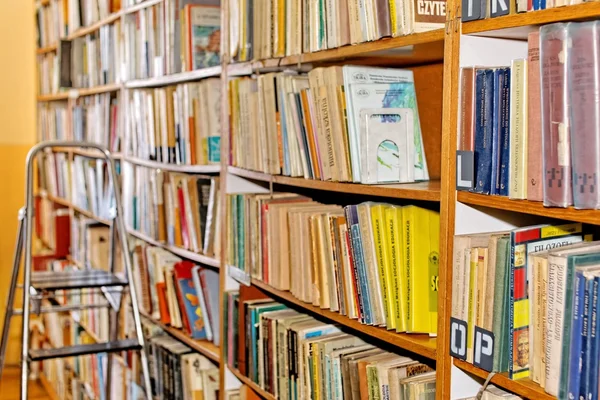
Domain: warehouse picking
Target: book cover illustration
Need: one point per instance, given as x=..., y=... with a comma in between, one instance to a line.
x=392, y=95
x=525, y=241
x=205, y=35
x=189, y=296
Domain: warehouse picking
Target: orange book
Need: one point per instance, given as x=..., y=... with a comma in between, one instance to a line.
x=161, y=290
x=310, y=134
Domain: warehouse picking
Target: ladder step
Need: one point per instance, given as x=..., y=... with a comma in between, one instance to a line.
x=84, y=349
x=78, y=279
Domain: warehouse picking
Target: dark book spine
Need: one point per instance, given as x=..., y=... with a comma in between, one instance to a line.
x=483, y=133
x=594, y=360
x=504, y=127
x=496, y=113
x=572, y=384
x=352, y=219
x=586, y=345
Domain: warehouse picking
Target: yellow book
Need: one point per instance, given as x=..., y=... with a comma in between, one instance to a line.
x=421, y=232
x=382, y=254
x=473, y=262
x=393, y=220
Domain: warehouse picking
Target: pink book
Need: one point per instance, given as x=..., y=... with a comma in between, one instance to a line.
x=555, y=116
x=534, y=126
x=584, y=83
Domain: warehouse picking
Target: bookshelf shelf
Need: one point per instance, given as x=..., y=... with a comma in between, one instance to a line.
x=415, y=48
x=203, y=347
x=94, y=27
x=175, y=78
x=427, y=191
x=190, y=255
x=75, y=93
x=53, y=97
x=248, y=382
x=47, y=49
x=523, y=387
x=190, y=169
x=66, y=203
x=529, y=207
x=418, y=344
x=141, y=6
x=518, y=25
x=92, y=153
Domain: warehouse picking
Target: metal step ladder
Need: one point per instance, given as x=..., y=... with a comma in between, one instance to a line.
x=36, y=285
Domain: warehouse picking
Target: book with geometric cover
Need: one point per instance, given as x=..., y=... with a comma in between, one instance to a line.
x=190, y=300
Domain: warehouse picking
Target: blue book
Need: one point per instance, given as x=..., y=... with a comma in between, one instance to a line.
x=574, y=379
x=592, y=388
x=586, y=337
x=255, y=313
x=484, y=92
x=496, y=137
x=504, y=129
x=359, y=266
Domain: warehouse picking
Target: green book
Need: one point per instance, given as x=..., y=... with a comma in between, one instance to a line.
x=501, y=306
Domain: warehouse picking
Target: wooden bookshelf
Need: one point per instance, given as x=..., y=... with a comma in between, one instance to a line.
x=427, y=191
x=190, y=255
x=422, y=345
x=53, y=97
x=518, y=25
x=523, y=387
x=95, y=26
x=248, y=382
x=75, y=93
x=47, y=49
x=529, y=207
x=206, y=348
x=189, y=169
x=175, y=78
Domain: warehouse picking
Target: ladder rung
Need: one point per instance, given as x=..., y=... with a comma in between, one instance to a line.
x=84, y=349
x=74, y=280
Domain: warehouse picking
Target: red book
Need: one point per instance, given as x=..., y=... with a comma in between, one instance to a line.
x=585, y=113
x=466, y=131
x=555, y=116
x=183, y=276
x=534, y=126
x=184, y=228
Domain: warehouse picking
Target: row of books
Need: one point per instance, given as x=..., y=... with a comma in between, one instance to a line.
x=51, y=24
x=377, y=263
x=84, y=182
x=544, y=281
x=92, y=119
x=178, y=209
x=476, y=9
x=176, y=371
x=172, y=37
x=277, y=28
x=48, y=73
x=532, y=126
x=177, y=292
x=83, y=13
x=294, y=356
x=350, y=123
x=91, y=60
x=176, y=124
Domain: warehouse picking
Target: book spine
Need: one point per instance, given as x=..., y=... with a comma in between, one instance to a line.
x=555, y=116
x=576, y=345
x=483, y=134
x=496, y=136
x=586, y=339
x=504, y=134
x=585, y=112
x=518, y=130
x=592, y=387
x=534, y=128
x=569, y=314
x=467, y=94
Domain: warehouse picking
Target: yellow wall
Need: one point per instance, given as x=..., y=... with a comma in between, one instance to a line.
x=17, y=131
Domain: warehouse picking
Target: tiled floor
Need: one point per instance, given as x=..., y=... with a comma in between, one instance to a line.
x=10, y=386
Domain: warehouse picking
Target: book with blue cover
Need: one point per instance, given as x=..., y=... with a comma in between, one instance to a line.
x=484, y=91
x=195, y=326
x=364, y=296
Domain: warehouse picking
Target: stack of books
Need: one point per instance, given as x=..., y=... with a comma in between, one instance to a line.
x=177, y=292
x=377, y=263
x=350, y=123
x=95, y=119
x=536, y=289
x=52, y=120
x=277, y=28
x=48, y=73
x=176, y=124
x=293, y=355
x=178, y=209
x=531, y=125
x=50, y=24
